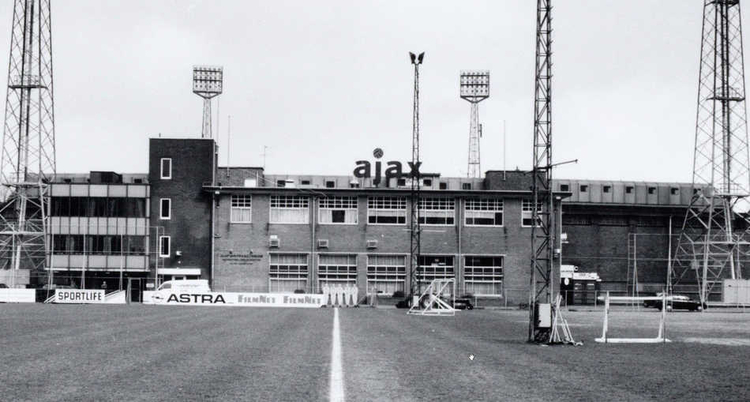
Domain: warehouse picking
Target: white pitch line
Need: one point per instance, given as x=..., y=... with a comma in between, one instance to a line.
x=337, y=372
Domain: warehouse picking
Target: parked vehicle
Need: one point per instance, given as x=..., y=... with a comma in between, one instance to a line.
x=679, y=302
x=186, y=286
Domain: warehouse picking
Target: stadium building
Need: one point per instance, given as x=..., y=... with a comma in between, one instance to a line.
x=245, y=230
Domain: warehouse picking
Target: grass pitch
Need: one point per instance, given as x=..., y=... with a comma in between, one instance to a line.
x=59, y=352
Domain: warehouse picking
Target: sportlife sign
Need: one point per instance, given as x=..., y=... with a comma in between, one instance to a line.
x=76, y=296
x=234, y=299
x=394, y=169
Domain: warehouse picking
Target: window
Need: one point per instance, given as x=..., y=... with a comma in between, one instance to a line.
x=564, y=187
x=466, y=186
x=166, y=168
x=652, y=190
x=483, y=275
x=607, y=189
x=385, y=273
x=114, y=207
x=629, y=190
x=433, y=267
x=354, y=184
x=289, y=209
x=443, y=185
x=242, y=209
x=527, y=211
x=584, y=188
x=483, y=212
x=165, y=208
x=287, y=272
x=330, y=184
x=674, y=190
x=427, y=182
x=338, y=210
x=164, y=246
x=386, y=210
x=402, y=182
x=579, y=220
x=304, y=182
x=437, y=211
x=280, y=183
x=337, y=269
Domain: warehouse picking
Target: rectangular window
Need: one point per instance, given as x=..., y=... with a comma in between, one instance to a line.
x=241, y=209
x=652, y=190
x=330, y=184
x=166, y=168
x=338, y=210
x=386, y=210
x=443, y=185
x=287, y=272
x=164, y=246
x=565, y=187
x=437, y=211
x=483, y=212
x=433, y=267
x=385, y=273
x=584, y=188
x=483, y=275
x=607, y=189
x=289, y=209
x=527, y=212
x=674, y=190
x=338, y=269
x=165, y=208
x=465, y=186
x=629, y=190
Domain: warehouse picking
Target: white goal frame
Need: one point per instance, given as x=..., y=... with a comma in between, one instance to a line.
x=660, y=337
x=431, y=297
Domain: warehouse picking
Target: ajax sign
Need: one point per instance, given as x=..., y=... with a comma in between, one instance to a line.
x=393, y=169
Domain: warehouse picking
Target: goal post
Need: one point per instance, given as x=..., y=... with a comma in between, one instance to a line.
x=434, y=300
x=660, y=337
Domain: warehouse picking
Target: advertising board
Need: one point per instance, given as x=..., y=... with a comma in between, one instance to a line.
x=79, y=296
x=232, y=299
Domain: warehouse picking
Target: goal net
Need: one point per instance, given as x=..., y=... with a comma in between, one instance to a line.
x=630, y=319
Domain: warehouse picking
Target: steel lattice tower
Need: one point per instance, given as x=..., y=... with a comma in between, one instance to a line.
x=208, y=82
x=474, y=87
x=415, y=229
x=540, y=290
x=28, y=156
x=714, y=237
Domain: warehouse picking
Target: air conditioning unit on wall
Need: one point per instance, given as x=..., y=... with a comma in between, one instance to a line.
x=274, y=241
x=372, y=244
x=323, y=243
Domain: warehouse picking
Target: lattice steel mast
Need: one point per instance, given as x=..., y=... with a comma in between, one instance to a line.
x=542, y=226
x=415, y=230
x=474, y=87
x=714, y=237
x=28, y=155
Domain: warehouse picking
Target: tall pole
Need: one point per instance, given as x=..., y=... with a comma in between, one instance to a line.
x=715, y=236
x=28, y=153
x=542, y=252
x=474, y=87
x=415, y=230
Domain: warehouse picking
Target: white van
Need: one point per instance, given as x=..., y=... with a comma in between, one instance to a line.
x=185, y=286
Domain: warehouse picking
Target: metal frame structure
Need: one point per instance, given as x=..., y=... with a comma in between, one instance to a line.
x=474, y=87
x=414, y=227
x=28, y=154
x=715, y=239
x=208, y=82
x=542, y=253
x=661, y=335
x=431, y=300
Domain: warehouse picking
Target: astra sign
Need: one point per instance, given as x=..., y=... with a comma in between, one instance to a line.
x=393, y=170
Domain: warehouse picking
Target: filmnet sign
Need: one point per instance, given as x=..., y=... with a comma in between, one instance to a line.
x=79, y=296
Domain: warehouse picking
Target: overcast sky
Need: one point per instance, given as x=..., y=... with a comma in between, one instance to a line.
x=323, y=83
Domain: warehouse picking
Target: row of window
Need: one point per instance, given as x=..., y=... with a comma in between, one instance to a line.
x=583, y=188
x=380, y=210
x=386, y=273
x=99, y=244
x=102, y=207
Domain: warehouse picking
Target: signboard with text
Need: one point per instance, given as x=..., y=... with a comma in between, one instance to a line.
x=234, y=299
x=79, y=296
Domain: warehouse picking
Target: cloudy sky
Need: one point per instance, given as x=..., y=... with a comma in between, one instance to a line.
x=323, y=83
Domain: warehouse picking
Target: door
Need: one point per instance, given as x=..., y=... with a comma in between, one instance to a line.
x=135, y=290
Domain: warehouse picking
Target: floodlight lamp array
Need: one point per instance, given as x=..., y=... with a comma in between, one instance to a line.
x=208, y=80
x=475, y=84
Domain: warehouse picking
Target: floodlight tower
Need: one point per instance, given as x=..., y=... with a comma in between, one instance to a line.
x=28, y=154
x=208, y=82
x=715, y=237
x=415, y=240
x=542, y=253
x=474, y=87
